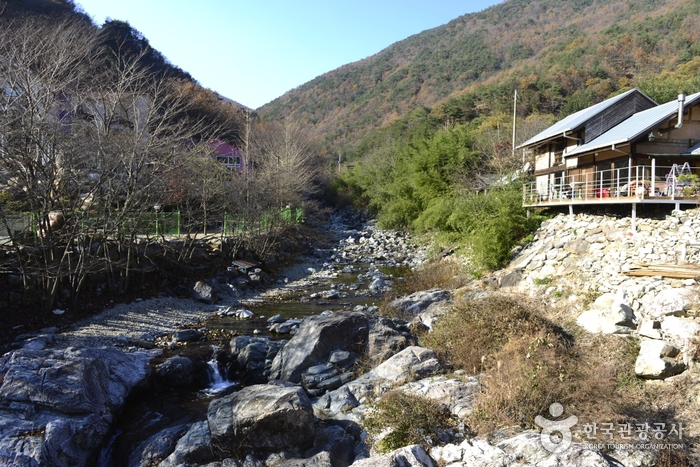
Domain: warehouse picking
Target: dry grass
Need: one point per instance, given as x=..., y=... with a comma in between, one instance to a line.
x=527, y=363
x=442, y=274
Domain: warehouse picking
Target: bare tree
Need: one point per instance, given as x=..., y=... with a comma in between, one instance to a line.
x=88, y=138
x=286, y=165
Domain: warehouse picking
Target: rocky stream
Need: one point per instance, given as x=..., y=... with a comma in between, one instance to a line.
x=261, y=371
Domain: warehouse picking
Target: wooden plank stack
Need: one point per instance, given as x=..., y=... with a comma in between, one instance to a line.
x=675, y=271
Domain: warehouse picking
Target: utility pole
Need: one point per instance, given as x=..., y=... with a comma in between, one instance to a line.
x=515, y=108
x=247, y=161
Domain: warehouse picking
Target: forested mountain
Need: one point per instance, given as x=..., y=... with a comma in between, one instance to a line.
x=561, y=55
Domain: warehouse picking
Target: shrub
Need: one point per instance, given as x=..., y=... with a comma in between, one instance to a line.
x=409, y=418
x=478, y=328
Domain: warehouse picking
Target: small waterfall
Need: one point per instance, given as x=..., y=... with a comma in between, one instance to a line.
x=217, y=383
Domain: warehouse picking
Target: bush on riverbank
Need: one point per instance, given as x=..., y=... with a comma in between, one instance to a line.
x=527, y=363
x=410, y=417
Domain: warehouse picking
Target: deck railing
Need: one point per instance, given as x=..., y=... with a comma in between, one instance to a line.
x=623, y=184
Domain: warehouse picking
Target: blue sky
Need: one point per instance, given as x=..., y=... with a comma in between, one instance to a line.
x=253, y=51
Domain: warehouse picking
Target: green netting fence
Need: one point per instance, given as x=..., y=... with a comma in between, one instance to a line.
x=154, y=224
x=239, y=224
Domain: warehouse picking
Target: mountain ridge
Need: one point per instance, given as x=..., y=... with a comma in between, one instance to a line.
x=561, y=55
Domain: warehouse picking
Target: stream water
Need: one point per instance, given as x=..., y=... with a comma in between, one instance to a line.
x=357, y=270
x=162, y=407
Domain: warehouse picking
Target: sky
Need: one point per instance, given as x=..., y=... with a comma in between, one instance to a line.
x=253, y=51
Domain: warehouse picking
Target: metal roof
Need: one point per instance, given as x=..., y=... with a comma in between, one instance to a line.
x=692, y=150
x=635, y=126
x=576, y=120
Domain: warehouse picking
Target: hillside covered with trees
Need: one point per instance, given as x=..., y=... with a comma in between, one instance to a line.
x=561, y=55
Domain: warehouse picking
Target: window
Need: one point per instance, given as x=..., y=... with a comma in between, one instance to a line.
x=232, y=162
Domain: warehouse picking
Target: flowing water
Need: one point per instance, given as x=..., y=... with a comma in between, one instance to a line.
x=165, y=407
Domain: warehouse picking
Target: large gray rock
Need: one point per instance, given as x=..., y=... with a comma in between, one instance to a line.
x=386, y=339
x=204, y=292
x=417, y=302
x=409, y=456
x=176, y=371
x=410, y=364
x=453, y=394
x=194, y=447
x=315, y=339
x=56, y=406
x=262, y=418
x=657, y=359
x=251, y=359
x=156, y=448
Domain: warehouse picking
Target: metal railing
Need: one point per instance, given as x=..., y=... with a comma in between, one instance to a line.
x=624, y=184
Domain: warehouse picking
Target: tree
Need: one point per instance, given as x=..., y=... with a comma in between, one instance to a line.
x=286, y=166
x=88, y=139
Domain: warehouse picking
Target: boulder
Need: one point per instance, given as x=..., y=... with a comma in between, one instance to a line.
x=473, y=453
x=409, y=456
x=527, y=448
x=609, y=315
x=315, y=339
x=187, y=335
x=657, y=360
x=156, y=448
x=386, y=339
x=266, y=418
x=679, y=330
x=204, y=292
x=193, y=448
x=251, y=358
x=410, y=364
x=176, y=372
x=453, y=394
x=671, y=301
x=57, y=406
x=415, y=303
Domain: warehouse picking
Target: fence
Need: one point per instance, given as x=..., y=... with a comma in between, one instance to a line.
x=236, y=224
x=153, y=224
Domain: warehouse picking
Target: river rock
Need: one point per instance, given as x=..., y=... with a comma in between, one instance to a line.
x=156, y=448
x=187, y=335
x=333, y=447
x=194, y=447
x=204, y=292
x=657, y=360
x=409, y=456
x=417, y=302
x=176, y=372
x=410, y=364
x=56, y=406
x=266, y=418
x=315, y=339
x=387, y=337
x=251, y=358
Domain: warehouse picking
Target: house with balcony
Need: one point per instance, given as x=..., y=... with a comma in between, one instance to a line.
x=625, y=150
